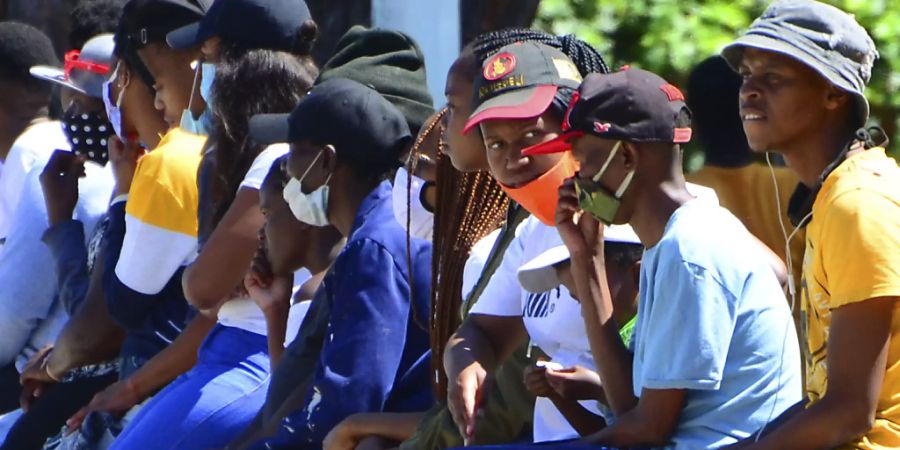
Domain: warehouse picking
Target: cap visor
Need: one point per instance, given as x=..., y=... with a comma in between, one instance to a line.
x=519, y=104
x=54, y=75
x=622, y=234
x=539, y=274
x=561, y=143
x=187, y=36
x=268, y=129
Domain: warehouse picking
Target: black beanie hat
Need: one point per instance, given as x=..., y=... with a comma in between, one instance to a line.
x=389, y=62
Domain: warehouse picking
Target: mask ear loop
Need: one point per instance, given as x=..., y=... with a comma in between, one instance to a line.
x=311, y=166
x=196, y=66
x=625, y=183
x=114, y=76
x=327, y=179
x=612, y=154
x=121, y=95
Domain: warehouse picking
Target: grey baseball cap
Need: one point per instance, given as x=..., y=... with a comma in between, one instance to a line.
x=84, y=70
x=823, y=37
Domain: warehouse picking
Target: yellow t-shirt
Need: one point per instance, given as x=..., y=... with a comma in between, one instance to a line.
x=161, y=214
x=749, y=194
x=853, y=254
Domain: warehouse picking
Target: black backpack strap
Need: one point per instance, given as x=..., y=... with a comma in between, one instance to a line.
x=514, y=217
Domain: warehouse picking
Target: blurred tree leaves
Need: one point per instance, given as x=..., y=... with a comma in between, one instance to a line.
x=670, y=36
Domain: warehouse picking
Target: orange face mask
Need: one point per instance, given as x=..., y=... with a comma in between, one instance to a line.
x=540, y=196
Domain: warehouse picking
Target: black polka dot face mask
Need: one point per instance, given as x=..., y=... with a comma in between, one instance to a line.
x=88, y=134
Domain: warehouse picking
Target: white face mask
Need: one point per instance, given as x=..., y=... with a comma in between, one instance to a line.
x=114, y=112
x=312, y=208
x=421, y=221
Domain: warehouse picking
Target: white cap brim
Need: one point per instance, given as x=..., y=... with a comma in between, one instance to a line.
x=539, y=274
x=53, y=75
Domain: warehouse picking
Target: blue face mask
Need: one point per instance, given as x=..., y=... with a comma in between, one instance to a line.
x=203, y=125
x=208, y=74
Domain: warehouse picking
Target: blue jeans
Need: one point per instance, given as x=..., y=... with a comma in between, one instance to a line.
x=208, y=406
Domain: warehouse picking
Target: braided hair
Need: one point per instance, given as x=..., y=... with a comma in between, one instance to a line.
x=586, y=58
x=469, y=206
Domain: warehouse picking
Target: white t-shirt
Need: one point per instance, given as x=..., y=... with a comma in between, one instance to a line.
x=478, y=257
x=31, y=149
x=552, y=319
x=298, y=309
x=30, y=314
x=242, y=312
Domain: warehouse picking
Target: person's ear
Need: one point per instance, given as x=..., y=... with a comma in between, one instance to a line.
x=835, y=98
x=636, y=273
x=210, y=49
x=329, y=158
x=630, y=154
x=123, y=76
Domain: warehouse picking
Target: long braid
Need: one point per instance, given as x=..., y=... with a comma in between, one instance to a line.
x=586, y=58
x=470, y=206
x=412, y=161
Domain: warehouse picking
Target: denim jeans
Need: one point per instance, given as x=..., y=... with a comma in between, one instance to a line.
x=210, y=405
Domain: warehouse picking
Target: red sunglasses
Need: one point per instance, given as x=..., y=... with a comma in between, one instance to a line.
x=71, y=61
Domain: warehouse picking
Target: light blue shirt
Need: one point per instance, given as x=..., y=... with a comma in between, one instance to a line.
x=713, y=320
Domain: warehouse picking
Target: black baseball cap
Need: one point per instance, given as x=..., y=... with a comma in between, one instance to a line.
x=269, y=24
x=354, y=118
x=520, y=82
x=149, y=21
x=631, y=105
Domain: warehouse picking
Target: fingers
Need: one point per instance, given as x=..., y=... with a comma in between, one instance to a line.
x=557, y=377
x=469, y=394
x=116, y=148
x=567, y=205
x=455, y=404
x=261, y=269
x=30, y=392
x=59, y=164
x=251, y=281
x=36, y=361
x=478, y=411
x=124, y=151
x=74, y=422
x=535, y=381
x=78, y=166
x=567, y=188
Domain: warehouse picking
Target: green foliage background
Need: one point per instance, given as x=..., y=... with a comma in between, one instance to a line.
x=670, y=36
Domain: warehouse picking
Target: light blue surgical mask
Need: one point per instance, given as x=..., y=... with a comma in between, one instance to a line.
x=203, y=125
x=114, y=110
x=208, y=74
